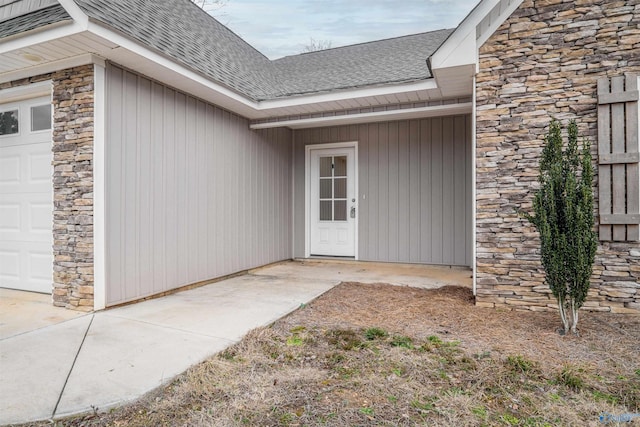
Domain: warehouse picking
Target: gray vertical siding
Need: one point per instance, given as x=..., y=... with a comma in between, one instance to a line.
x=192, y=193
x=414, y=188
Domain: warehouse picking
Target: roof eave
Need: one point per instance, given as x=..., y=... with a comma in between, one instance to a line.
x=460, y=50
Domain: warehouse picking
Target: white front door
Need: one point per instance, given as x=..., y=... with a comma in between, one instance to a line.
x=333, y=197
x=26, y=196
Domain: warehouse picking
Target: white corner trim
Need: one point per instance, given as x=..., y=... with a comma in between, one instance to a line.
x=474, y=237
x=19, y=93
x=49, y=67
x=376, y=116
x=99, y=190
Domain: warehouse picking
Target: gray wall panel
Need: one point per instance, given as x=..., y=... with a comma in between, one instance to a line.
x=414, y=188
x=192, y=193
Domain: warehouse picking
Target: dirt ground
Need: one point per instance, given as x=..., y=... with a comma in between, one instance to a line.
x=449, y=312
x=388, y=355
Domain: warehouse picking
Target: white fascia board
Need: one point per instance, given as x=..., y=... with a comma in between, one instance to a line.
x=164, y=61
x=78, y=16
x=49, y=32
x=40, y=35
x=463, y=53
x=49, y=67
x=460, y=48
x=377, y=116
x=348, y=94
x=502, y=15
x=261, y=108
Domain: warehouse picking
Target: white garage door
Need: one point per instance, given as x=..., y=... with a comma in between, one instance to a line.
x=26, y=196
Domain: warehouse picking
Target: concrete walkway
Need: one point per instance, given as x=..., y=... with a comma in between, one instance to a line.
x=54, y=362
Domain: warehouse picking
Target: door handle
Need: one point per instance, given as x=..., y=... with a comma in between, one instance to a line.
x=353, y=211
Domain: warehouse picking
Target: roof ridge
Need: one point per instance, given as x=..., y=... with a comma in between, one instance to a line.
x=363, y=43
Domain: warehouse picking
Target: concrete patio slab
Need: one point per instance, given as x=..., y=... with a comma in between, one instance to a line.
x=56, y=367
x=416, y=275
x=22, y=312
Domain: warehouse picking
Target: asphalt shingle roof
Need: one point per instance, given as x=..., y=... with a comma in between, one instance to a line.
x=33, y=20
x=400, y=59
x=185, y=33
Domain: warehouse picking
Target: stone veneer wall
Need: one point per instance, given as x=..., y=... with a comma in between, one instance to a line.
x=72, y=184
x=543, y=63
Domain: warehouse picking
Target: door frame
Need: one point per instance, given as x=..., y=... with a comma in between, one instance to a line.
x=307, y=191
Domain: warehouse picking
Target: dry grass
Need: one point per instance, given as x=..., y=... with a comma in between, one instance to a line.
x=396, y=356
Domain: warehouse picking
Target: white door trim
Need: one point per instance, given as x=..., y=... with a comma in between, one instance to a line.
x=307, y=186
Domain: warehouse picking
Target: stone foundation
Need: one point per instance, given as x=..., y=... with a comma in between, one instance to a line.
x=544, y=63
x=72, y=185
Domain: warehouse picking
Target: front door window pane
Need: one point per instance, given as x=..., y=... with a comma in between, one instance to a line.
x=340, y=210
x=340, y=188
x=325, y=188
x=340, y=166
x=325, y=210
x=325, y=166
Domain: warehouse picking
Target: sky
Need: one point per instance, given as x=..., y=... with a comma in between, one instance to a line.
x=284, y=27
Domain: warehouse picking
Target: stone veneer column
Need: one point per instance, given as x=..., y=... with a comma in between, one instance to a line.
x=72, y=184
x=544, y=63
x=73, y=188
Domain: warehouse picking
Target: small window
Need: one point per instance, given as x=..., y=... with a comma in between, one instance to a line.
x=40, y=117
x=9, y=122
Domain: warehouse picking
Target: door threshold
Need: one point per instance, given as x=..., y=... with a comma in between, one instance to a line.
x=332, y=257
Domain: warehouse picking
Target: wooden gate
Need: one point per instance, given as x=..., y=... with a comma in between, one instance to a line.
x=619, y=158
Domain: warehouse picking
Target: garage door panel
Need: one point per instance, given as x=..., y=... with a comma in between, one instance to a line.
x=39, y=218
x=26, y=265
x=9, y=265
x=39, y=171
x=26, y=217
x=40, y=265
x=9, y=169
x=25, y=168
x=9, y=217
x=26, y=204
